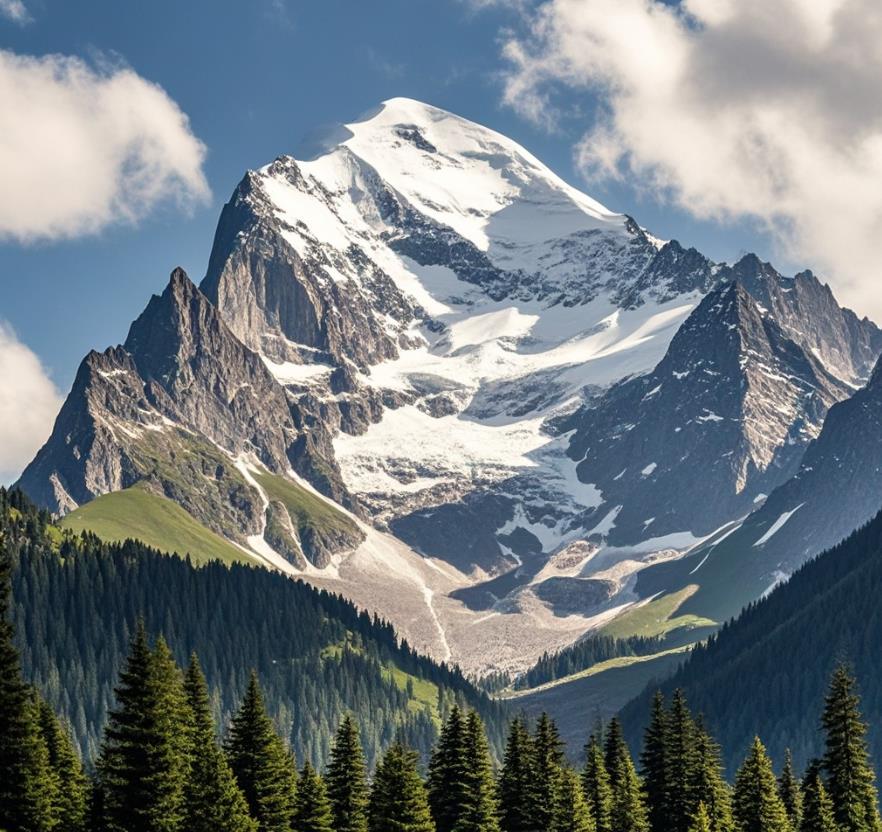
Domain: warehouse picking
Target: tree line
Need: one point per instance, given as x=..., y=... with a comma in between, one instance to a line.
x=163, y=767
x=585, y=653
x=76, y=601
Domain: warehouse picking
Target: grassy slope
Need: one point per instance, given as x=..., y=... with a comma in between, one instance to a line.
x=305, y=508
x=424, y=694
x=577, y=701
x=657, y=617
x=157, y=521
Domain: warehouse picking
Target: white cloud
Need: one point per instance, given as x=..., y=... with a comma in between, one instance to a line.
x=84, y=147
x=15, y=10
x=29, y=403
x=766, y=109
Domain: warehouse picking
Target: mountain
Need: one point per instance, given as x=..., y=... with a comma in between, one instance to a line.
x=409, y=374
x=837, y=488
x=766, y=672
x=736, y=399
x=178, y=409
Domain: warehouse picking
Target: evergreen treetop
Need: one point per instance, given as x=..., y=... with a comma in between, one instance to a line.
x=347, y=780
x=262, y=765
x=849, y=775
x=758, y=806
x=399, y=802
x=313, y=809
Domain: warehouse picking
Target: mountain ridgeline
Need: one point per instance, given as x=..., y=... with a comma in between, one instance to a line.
x=425, y=373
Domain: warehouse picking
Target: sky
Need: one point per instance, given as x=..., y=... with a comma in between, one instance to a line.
x=125, y=127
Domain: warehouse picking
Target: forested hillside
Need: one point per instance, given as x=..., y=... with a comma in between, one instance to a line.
x=76, y=602
x=766, y=671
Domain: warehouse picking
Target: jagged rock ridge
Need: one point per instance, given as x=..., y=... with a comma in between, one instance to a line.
x=432, y=329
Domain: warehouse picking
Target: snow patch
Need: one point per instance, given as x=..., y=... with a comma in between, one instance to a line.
x=777, y=525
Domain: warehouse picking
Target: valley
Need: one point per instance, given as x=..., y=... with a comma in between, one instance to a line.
x=425, y=373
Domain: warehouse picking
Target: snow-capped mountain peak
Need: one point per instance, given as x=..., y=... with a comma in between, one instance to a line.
x=426, y=325
x=486, y=187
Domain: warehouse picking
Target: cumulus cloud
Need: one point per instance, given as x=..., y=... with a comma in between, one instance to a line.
x=83, y=147
x=764, y=109
x=14, y=10
x=28, y=405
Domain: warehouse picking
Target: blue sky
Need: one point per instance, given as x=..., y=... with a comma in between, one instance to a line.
x=255, y=77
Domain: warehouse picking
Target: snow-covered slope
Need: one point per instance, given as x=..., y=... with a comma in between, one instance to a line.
x=424, y=307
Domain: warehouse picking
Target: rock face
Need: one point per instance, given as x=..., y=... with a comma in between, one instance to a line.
x=837, y=489
x=175, y=408
x=727, y=414
x=424, y=371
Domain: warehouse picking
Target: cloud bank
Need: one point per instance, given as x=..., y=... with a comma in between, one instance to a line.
x=28, y=405
x=765, y=109
x=84, y=147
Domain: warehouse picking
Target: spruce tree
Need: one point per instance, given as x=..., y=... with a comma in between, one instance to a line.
x=264, y=770
x=27, y=784
x=628, y=811
x=399, y=802
x=213, y=801
x=347, y=780
x=447, y=773
x=789, y=789
x=571, y=813
x=653, y=764
x=708, y=786
x=313, y=809
x=596, y=786
x=144, y=760
x=850, y=777
x=517, y=781
x=701, y=821
x=548, y=756
x=758, y=806
x=817, y=808
x=72, y=787
x=481, y=812
x=681, y=760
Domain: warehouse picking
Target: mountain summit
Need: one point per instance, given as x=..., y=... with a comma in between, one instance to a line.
x=424, y=371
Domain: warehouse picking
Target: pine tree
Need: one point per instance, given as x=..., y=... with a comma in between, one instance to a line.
x=399, y=802
x=653, y=764
x=447, y=773
x=596, y=786
x=517, y=781
x=213, y=801
x=817, y=808
x=788, y=788
x=628, y=812
x=571, y=813
x=701, y=822
x=313, y=809
x=144, y=761
x=758, y=806
x=548, y=756
x=850, y=777
x=27, y=784
x=708, y=786
x=481, y=812
x=681, y=760
x=70, y=796
x=347, y=780
x=264, y=770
